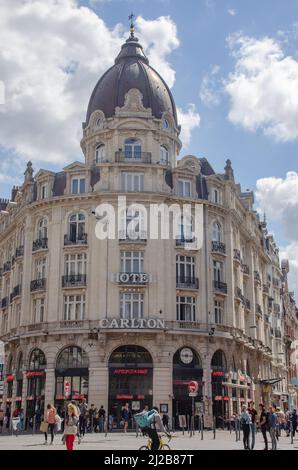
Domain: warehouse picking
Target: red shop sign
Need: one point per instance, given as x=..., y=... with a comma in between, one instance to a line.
x=226, y=398
x=9, y=378
x=141, y=397
x=130, y=372
x=78, y=397
x=35, y=374
x=218, y=398
x=124, y=397
x=217, y=374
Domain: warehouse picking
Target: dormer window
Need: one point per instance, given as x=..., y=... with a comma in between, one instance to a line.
x=78, y=185
x=100, y=153
x=216, y=196
x=184, y=188
x=165, y=124
x=132, y=148
x=43, y=191
x=164, y=154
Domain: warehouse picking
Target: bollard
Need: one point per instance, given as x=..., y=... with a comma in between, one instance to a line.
x=291, y=430
x=214, y=427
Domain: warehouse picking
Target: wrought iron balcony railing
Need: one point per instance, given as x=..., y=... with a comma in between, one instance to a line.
x=40, y=244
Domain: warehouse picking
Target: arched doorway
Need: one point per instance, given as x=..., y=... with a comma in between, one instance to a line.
x=130, y=381
x=72, y=366
x=187, y=366
x=220, y=396
x=36, y=379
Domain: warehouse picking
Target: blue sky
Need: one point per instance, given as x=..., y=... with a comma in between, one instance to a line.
x=251, y=139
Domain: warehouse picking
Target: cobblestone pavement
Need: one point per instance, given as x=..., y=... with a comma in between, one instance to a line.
x=119, y=441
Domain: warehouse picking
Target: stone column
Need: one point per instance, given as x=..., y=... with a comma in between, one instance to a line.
x=98, y=386
x=24, y=392
x=163, y=386
x=50, y=386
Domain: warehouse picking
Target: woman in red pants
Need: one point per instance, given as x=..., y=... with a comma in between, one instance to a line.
x=71, y=426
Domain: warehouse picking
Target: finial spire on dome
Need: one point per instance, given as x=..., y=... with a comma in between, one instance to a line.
x=132, y=26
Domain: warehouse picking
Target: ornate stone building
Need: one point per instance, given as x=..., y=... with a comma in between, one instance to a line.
x=134, y=319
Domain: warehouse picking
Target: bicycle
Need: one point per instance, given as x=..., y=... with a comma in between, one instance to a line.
x=162, y=445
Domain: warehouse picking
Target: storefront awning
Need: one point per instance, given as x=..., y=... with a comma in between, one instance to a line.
x=270, y=381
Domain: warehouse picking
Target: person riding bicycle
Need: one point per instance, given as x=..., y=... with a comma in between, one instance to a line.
x=154, y=424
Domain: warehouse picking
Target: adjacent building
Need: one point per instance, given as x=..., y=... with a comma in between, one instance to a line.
x=131, y=318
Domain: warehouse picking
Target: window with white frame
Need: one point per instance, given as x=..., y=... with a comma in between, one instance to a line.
x=132, y=148
x=132, y=224
x=42, y=228
x=216, y=232
x=38, y=310
x=132, y=181
x=184, y=188
x=185, y=268
x=74, y=307
x=78, y=185
x=163, y=154
x=218, y=312
x=40, y=268
x=185, y=308
x=100, y=153
x=131, y=305
x=132, y=262
x=76, y=227
x=217, y=271
x=185, y=228
x=75, y=264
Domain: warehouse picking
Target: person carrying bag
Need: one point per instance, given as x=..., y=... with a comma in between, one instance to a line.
x=71, y=426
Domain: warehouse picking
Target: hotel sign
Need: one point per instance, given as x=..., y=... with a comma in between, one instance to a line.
x=133, y=323
x=132, y=278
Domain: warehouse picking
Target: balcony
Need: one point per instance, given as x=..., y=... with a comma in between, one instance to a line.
x=238, y=293
x=237, y=256
x=275, y=282
x=267, y=318
x=189, y=242
x=17, y=290
x=20, y=251
x=277, y=333
x=40, y=244
x=220, y=287
x=4, y=302
x=247, y=304
x=187, y=283
x=218, y=247
x=69, y=240
x=74, y=280
x=126, y=157
x=133, y=237
x=259, y=310
x=7, y=267
x=272, y=331
x=71, y=324
x=38, y=285
x=245, y=269
x=257, y=277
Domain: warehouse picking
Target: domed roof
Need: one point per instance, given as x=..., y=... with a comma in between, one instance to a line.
x=131, y=70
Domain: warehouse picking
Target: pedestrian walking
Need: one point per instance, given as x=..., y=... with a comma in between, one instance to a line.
x=165, y=421
x=101, y=418
x=272, y=421
x=91, y=413
x=245, y=422
x=1, y=420
x=22, y=420
x=126, y=415
x=50, y=420
x=253, y=426
x=83, y=407
x=263, y=423
x=71, y=426
x=293, y=419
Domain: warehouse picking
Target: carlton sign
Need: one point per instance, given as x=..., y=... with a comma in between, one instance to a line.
x=133, y=323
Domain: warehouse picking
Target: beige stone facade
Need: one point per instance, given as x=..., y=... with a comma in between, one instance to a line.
x=220, y=304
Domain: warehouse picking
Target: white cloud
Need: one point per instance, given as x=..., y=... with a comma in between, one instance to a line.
x=263, y=88
x=54, y=54
x=279, y=199
x=189, y=120
x=210, y=88
x=232, y=12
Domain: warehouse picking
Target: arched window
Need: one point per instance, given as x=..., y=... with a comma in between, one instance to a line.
x=72, y=357
x=42, y=228
x=37, y=360
x=133, y=224
x=20, y=363
x=216, y=232
x=219, y=361
x=165, y=124
x=132, y=148
x=9, y=365
x=131, y=356
x=164, y=154
x=100, y=153
x=76, y=228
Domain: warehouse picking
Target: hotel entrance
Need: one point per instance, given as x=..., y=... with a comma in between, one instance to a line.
x=130, y=381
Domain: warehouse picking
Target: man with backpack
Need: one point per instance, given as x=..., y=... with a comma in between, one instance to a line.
x=264, y=423
x=150, y=423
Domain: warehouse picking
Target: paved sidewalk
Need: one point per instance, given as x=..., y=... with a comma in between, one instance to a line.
x=119, y=441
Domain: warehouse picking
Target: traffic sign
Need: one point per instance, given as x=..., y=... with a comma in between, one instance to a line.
x=66, y=389
x=193, y=386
